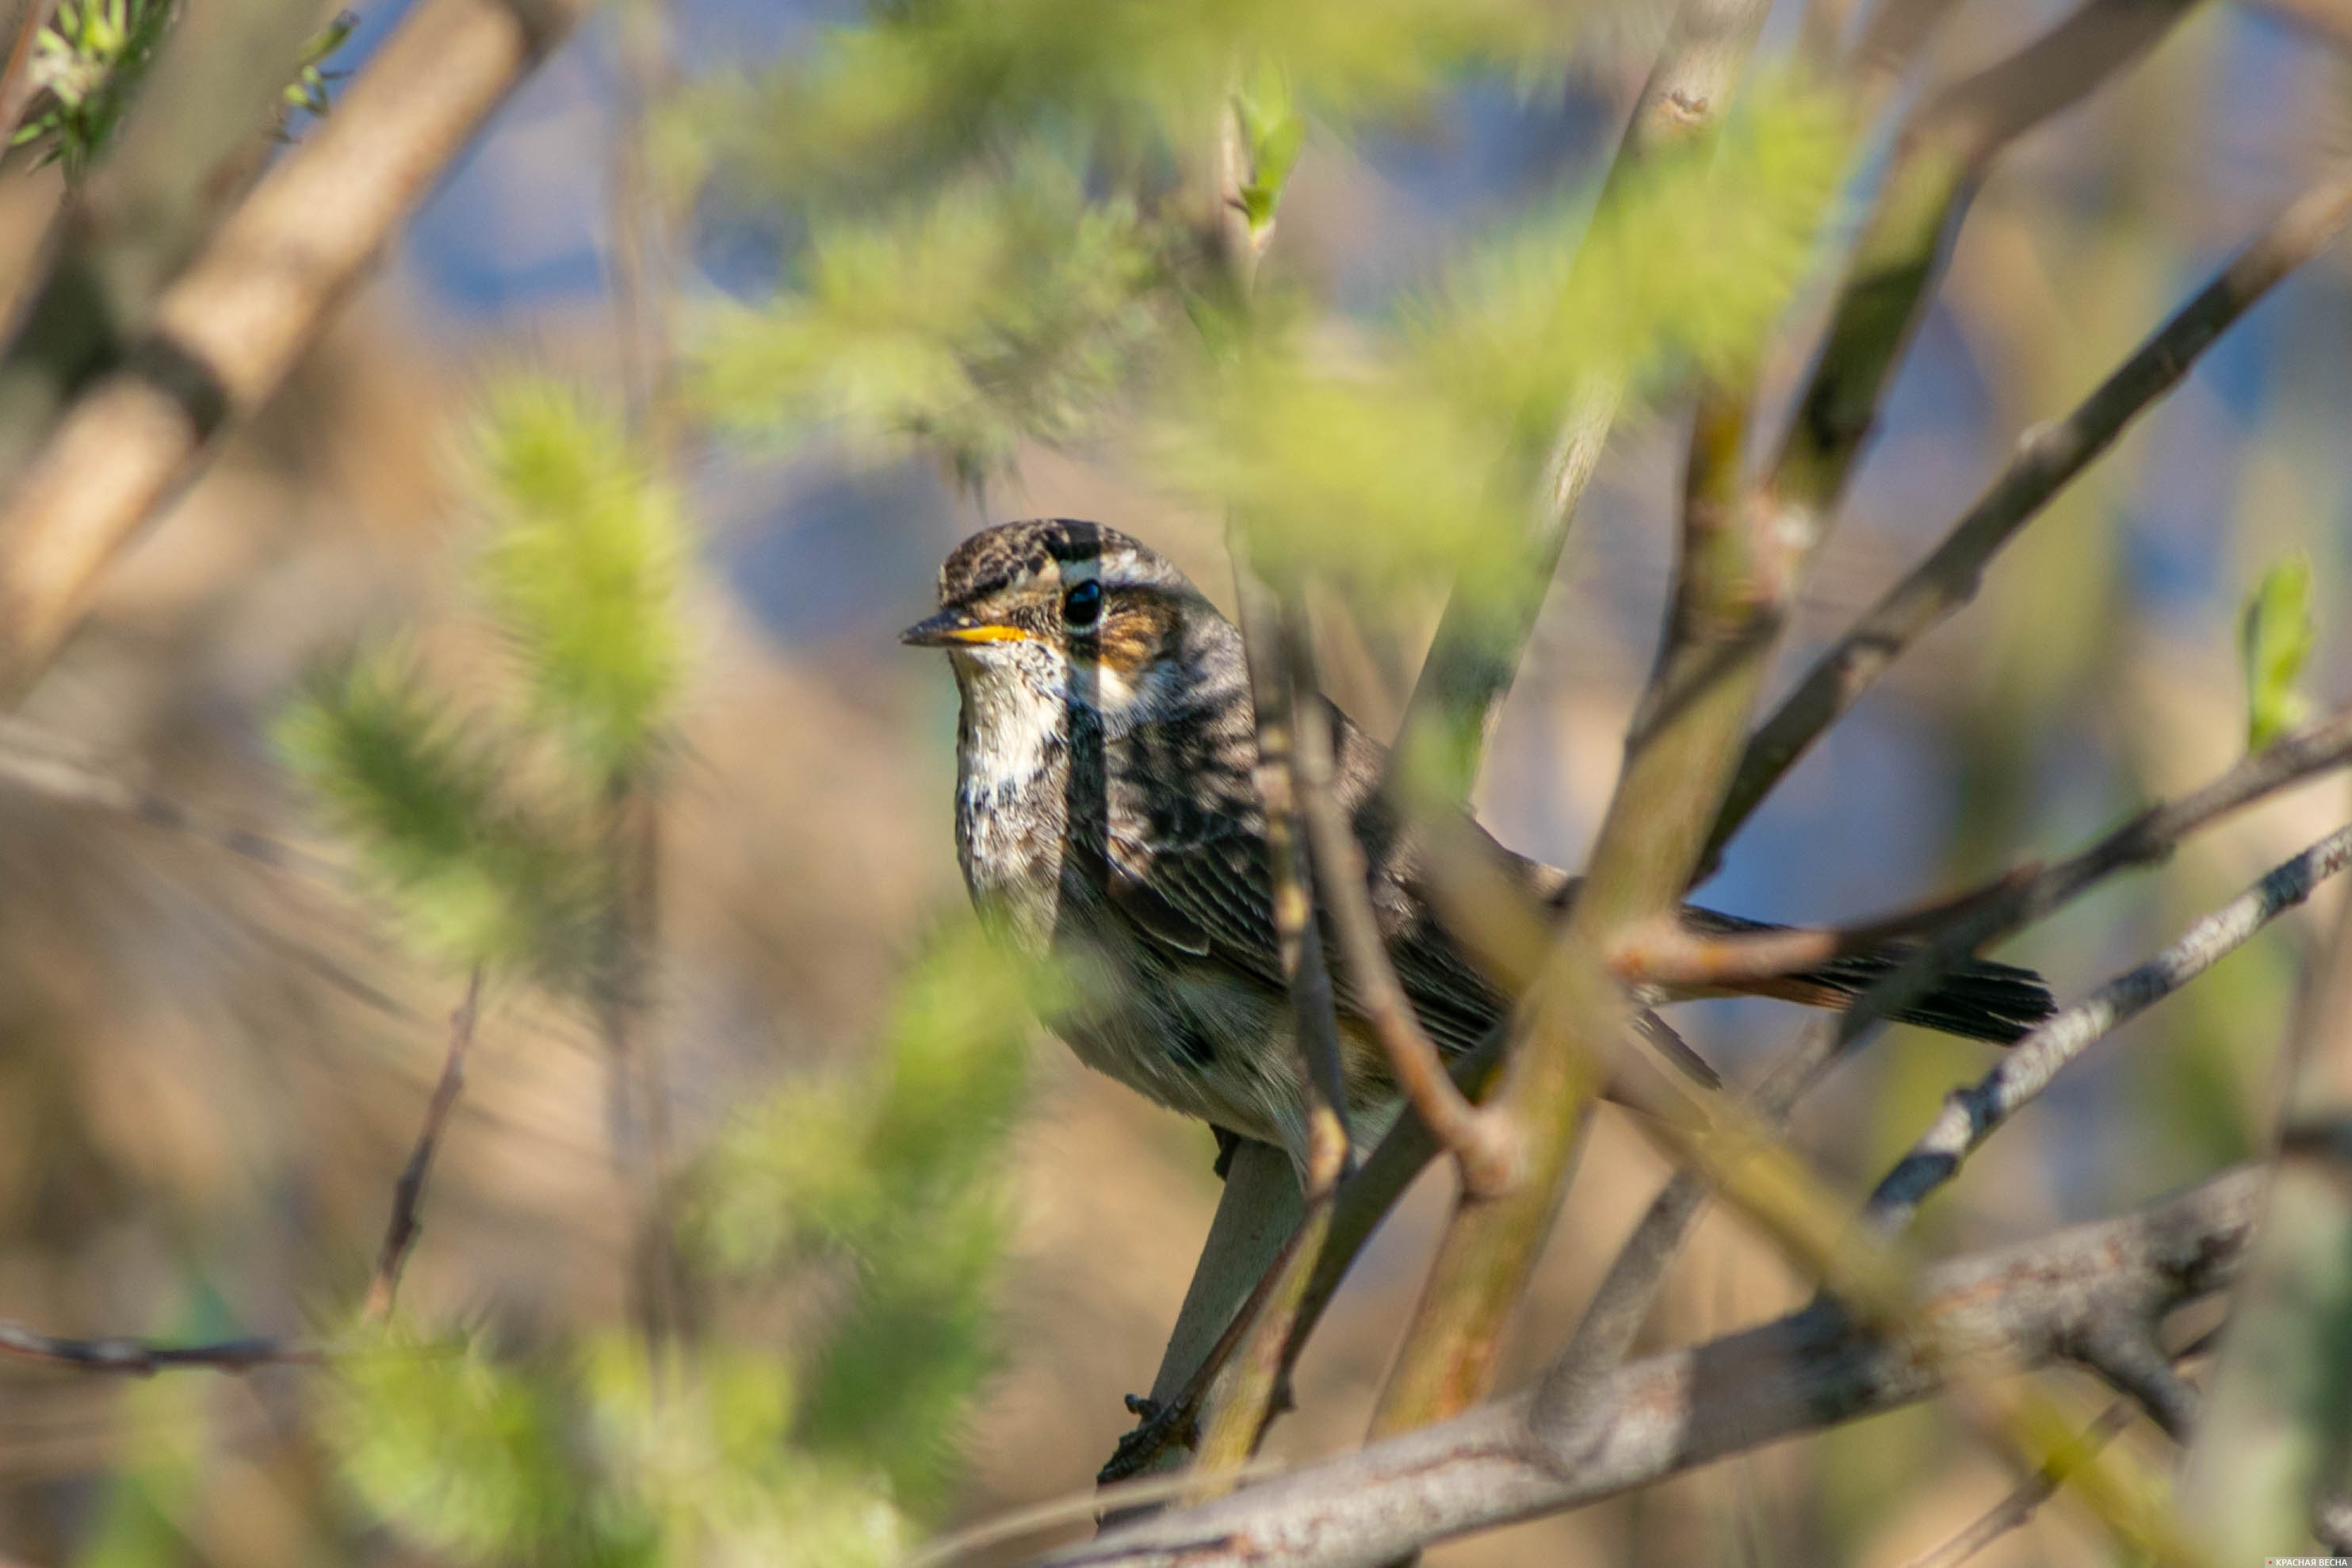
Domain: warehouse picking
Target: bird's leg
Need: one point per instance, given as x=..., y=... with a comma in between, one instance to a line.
x=1248, y=1242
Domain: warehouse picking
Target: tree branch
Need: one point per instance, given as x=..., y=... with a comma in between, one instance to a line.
x=1479, y=1141
x=196, y=131
x=1477, y=648
x=1278, y=640
x=139, y=1358
x=408, y=1192
x=33, y=760
x=1737, y=576
x=2018, y=1508
x=2014, y=1309
x=1970, y=1115
x=2048, y=457
x=228, y=330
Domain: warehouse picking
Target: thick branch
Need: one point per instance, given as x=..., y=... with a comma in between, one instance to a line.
x=192, y=139
x=2048, y=457
x=229, y=329
x=2015, y=1308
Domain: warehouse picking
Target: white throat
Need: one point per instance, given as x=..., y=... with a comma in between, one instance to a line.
x=1013, y=722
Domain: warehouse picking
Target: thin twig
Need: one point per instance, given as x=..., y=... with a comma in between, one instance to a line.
x=660, y=1291
x=1622, y=1302
x=408, y=1192
x=2048, y=457
x=1480, y=1142
x=1277, y=638
x=2018, y=1507
x=1175, y=1421
x=228, y=330
x=1110, y=1497
x=1970, y=1115
x=1667, y=952
x=38, y=762
x=140, y=1358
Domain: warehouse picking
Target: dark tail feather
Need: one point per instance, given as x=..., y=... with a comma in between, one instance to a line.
x=1980, y=1000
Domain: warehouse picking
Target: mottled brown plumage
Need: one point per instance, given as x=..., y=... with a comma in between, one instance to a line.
x=1106, y=811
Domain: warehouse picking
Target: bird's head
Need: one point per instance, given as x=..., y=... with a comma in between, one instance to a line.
x=1067, y=610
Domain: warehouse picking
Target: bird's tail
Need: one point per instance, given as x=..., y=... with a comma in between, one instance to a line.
x=1980, y=1000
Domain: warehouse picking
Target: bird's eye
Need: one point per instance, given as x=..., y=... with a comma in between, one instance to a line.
x=1082, y=605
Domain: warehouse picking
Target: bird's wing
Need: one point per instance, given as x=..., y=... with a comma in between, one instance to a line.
x=1200, y=890
x=1209, y=891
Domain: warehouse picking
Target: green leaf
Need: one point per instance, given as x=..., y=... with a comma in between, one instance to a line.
x=2275, y=640
x=1273, y=131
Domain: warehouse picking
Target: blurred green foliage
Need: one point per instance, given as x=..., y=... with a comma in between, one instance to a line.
x=994, y=309
x=583, y=573
x=932, y=87
x=474, y=873
x=898, y=1167
x=1030, y=288
x=89, y=58
x=479, y=823
x=890, y=1174
x=592, y=1457
x=1397, y=469
x=86, y=64
x=479, y=829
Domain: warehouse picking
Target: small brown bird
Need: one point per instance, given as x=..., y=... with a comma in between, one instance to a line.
x=1106, y=813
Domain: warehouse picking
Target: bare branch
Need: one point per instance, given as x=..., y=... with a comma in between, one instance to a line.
x=2048, y=457
x=1970, y=1115
x=1277, y=638
x=228, y=330
x=2021, y=1504
x=1480, y=1142
x=2012, y=1308
x=408, y=1192
x=41, y=764
x=139, y=1358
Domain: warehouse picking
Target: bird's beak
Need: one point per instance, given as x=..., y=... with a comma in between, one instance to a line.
x=951, y=626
